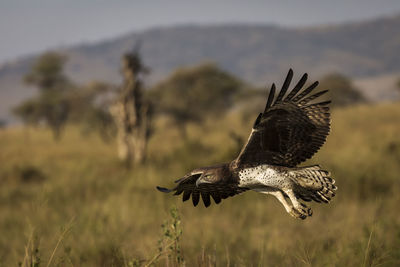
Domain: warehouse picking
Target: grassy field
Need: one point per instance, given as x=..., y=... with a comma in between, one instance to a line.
x=72, y=203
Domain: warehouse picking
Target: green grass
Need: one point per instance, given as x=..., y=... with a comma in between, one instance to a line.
x=72, y=203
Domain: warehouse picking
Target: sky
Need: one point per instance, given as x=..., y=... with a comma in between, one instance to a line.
x=31, y=26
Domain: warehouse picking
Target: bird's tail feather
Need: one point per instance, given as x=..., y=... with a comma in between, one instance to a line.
x=315, y=184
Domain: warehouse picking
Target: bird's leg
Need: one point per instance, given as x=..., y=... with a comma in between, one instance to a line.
x=278, y=194
x=299, y=210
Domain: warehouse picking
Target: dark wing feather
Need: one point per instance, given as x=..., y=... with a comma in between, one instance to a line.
x=217, y=191
x=270, y=98
x=285, y=86
x=290, y=130
x=298, y=86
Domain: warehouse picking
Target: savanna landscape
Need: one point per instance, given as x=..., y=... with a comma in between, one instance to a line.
x=101, y=103
x=71, y=203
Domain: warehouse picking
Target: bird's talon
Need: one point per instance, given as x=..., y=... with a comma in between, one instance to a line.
x=297, y=214
x=302, y=212
x=309, y=212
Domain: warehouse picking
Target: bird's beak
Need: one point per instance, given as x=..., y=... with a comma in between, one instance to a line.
x=201, y=181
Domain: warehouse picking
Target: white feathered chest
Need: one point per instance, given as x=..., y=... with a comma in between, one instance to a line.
x=263, y=175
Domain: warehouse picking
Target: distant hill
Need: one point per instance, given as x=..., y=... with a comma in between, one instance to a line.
x=258, y=54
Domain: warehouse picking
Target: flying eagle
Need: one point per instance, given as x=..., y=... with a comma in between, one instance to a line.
x=289, y=131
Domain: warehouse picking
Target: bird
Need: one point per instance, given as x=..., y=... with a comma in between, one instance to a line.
x=290, y=130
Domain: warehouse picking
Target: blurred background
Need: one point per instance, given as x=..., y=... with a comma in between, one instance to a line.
x=100, y=101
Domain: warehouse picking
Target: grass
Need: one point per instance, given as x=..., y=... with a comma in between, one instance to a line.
x=72, y=203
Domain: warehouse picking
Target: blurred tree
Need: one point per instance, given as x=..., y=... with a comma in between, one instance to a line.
x=192, y=94
x=132, y=113
x=47, y=72
x=51, y=107
x=89, y=107
x=342, y=91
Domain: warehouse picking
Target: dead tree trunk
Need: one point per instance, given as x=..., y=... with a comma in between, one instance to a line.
x=132, y=113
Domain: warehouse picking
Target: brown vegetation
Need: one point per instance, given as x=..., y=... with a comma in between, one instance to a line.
x=72, y=204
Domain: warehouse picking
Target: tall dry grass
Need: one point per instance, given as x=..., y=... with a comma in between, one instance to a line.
x=73, y=204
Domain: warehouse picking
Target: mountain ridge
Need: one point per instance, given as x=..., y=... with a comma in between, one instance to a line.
x=256, y=53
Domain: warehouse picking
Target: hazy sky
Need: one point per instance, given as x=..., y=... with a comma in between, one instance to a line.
x=28, y=26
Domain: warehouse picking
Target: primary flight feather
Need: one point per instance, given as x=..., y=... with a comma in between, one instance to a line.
x=291, y=130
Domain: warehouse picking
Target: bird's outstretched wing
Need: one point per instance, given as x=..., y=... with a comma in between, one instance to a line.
x=290, y=130
x=218, y=191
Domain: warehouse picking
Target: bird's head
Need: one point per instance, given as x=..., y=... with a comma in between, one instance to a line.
x=209, y=175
